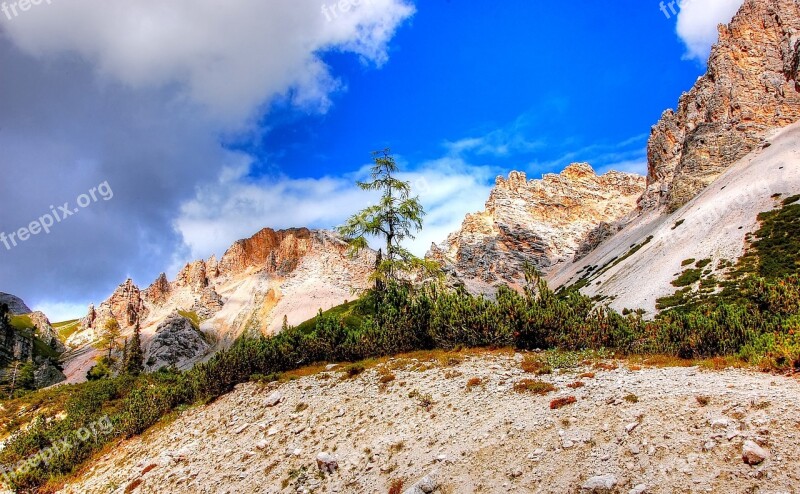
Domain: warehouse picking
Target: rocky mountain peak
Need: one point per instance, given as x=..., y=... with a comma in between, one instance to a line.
x=159, y=290
x=275, y=251
x=543, y=222
x=14, y=303
x=258, y=281
x=751, y=88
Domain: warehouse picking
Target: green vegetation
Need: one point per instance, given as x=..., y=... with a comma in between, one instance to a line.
x=351, y=313
x=396, y=217
x=21, y=323
x=688, y=278
x=593, y=273
x=192, y=317
x=703, y=263
x=66, y=329
x=688, y=262
x=754, y=312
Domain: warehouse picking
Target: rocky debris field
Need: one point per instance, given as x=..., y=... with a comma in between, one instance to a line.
x=451, y=423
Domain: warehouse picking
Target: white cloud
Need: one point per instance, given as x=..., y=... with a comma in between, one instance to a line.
x=232, y=57
x=698, y=21
x=236, y=207
x=138, y=93
x=514, y=138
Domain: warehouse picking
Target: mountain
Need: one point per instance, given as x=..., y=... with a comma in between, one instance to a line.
x=545, y=222
x=751, y=88
x=727, y=153
x=15, y=304
x=27, y=340
x=730, y=152
x=257, y=282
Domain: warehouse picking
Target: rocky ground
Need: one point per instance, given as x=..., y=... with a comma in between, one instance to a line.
x=414, y=424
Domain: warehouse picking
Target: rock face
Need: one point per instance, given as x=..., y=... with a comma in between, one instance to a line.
x=46, y=332
x=256, y=283
x=47, y=374
x=126, y=305
x=15, y=304
x=751, y=88
x=543, y=222
x=18, y=345
x=275, y=251
x=176, y=343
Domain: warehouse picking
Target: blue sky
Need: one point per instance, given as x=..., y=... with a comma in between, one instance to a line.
x=559, y=78
x=211, y=120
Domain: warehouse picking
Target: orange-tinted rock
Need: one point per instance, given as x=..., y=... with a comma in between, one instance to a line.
x=751, y=88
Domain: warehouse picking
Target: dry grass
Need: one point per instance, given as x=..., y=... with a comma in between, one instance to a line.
x=132, y=486
x=354, y=370
x=576, y=385
x=722, y=363
x=387, y=378
x=396, y=487
x=587, y=375
x=533, y=386
x=667, y=361
x=605, y=366
x=703, y=400
x=631, y=398
x=474, y=382
x=562, y=402
x=533, y=365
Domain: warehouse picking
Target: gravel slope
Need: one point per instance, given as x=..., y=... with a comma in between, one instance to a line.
x=487, y=439
x=713, y=225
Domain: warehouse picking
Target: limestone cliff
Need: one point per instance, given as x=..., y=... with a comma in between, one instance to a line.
x=542, y=222
x=257, y=282
x=750, y=89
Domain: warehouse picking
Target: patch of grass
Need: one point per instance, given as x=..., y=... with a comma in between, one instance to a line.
x=66, y=329
x=40, y=348
x=681, y=297
x=576, y=385
x=533, y=386
x=631, y=398
x=703, y=263
x=688, y=278
x=192, y=317
x=688, y=262
x=791, y=200
x=354, y=370
x=424, y=400
x=352, y=314
x=387, y=378
x=587, y=375
x=22, y=323
x=261, y=378
x=605, y=366
x=662, y=361
x=562, y=402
